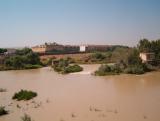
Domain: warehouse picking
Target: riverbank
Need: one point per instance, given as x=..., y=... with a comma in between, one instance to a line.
x=27, y=67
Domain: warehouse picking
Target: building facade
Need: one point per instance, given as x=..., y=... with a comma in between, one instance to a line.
x=47, y=47
x=92, y=48
x=54, y=48
x=147, y=57
x=82, y=48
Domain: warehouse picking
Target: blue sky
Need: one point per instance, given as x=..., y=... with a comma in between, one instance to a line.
x=32, y=22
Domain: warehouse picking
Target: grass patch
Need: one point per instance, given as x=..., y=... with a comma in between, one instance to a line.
x=24, y=95
x=3, y=111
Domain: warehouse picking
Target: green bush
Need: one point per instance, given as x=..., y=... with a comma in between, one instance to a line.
x=73, y=68
x=148, y=67
x=134, y=70
x=102, y=71
x=98, y=56
x=108, y=70
x=133, y=58
x=24, y=95
x=23, y=59
x=139, y=69
x=62, y=66
x=2, y=50
x=3, y=111
x=59, y=65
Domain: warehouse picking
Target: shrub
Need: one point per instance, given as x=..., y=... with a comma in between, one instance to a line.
x=73, y=68
x=24, y=95
x=23, y=59
x=26, y=118
x=108, y=70
x=46, y=62
x=133, y=58
x=139, y=68
x=97, y=57
x=148, y=67
x=62, y=66
x=3, y=111
x=69, y=60
x=115, y=68
x=134, y=70
x=2, y=50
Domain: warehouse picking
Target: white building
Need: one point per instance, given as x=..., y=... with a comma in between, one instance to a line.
x=147, y=57
x=82, y=48
x=92, y=48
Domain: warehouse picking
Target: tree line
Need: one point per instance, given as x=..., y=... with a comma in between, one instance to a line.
x=22, y=59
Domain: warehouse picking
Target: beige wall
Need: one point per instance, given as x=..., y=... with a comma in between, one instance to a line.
x=47, y=48
x=39, y=49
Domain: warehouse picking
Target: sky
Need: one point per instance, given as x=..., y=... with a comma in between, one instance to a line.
x=112, y=22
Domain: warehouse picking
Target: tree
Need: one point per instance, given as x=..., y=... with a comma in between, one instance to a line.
x=133, y=58
x=2, y=50
x=15, y=61
x=23, y=51
x=144, y=45
x=33, y=58
x=150, y=46
x=23, y=58
x=98, y=56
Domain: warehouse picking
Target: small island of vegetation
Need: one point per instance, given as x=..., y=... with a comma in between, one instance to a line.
x=64, y=66
x=24, y=95
x=108, y=70
x=3, y=111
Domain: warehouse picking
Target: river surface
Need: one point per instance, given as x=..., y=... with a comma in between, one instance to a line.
x=81, y=96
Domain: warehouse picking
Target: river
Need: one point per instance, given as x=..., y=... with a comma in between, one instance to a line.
x=81, y=96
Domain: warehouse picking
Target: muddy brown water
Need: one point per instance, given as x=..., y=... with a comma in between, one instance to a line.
x=81, y=96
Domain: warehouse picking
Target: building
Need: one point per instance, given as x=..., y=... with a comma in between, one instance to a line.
x=147, y=57
x=70, y=49
x=92, y=48
x=10, y=52
x=82, y=48
x=47, y=47
x=39, y=49
x=54, y=48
